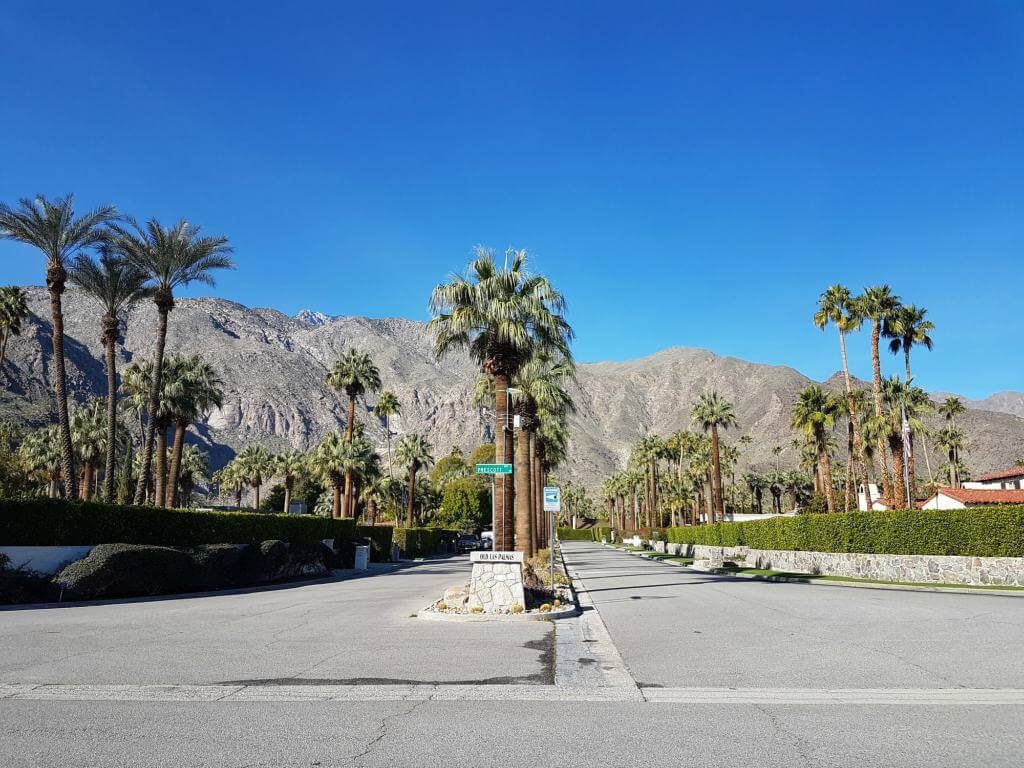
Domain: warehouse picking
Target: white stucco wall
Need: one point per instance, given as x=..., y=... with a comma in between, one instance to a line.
x=44, y=560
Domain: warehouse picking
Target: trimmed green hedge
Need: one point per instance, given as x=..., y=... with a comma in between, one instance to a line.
x=423, y=542
x=601, y=532
x=973, y=532
x=576, y=534
x=50, y=522
x=380, y=537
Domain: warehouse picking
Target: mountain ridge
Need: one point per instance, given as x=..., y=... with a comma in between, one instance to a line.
x=274, y=366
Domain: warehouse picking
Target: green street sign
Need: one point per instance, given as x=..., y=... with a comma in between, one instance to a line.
x=494, y=469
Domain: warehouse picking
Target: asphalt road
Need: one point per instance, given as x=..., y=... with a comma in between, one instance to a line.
x=730, y=673
x=675, y=627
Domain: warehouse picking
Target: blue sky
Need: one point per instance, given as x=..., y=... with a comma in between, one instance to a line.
x=687, y=173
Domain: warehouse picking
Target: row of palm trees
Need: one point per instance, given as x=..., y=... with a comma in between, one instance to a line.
x=119, y=262
x=511, y=322
x=678, y=479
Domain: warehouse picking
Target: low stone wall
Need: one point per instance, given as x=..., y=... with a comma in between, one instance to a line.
x=950, y=569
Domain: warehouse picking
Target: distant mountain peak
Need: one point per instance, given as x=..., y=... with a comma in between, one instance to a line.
x=313, y=319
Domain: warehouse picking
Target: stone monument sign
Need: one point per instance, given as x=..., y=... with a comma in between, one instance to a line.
x=497, y=582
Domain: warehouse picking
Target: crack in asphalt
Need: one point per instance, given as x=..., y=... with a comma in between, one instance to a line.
x=383, y=729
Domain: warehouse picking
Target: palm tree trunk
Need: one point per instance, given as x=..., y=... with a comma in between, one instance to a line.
x=716, y=479
x=288, y=482
x=654, y=494
x=111, y=458
x=256, y=488
x=411, y=501
x=88, y=477
x=899, y=487
x=826, y=475
x=154, y=405
x=504, y=538
x=161, y=465
x=336, y=498
x=537, y=496
x=4, y=334
x=180, y=428
x=347, y=509
x=876, y=365
x=56, y=276
x=524, y=518
x=387, y=426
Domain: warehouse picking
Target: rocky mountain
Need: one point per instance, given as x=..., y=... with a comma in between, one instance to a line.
x=274, y=368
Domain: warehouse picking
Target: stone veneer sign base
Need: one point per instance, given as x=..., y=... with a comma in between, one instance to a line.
x=497, y=581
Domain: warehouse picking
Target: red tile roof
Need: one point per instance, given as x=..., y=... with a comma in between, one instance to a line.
x=1003, y=474
x=983, y=496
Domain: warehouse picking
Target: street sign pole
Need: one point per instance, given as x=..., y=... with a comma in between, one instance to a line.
x=552, y=505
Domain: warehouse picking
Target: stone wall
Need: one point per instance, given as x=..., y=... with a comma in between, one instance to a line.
x=497, y=587
x=951, y=569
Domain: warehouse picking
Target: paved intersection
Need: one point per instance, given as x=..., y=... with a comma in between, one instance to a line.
x=337, y=674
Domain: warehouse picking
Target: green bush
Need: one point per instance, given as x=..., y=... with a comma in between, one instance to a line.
x=465, y=505
x=974, y=532
x=576, y=534
x=423, y=542
x=48, y=522
x=380, y=537
x=601, y=532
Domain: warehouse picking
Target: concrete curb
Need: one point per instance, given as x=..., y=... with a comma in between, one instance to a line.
x=808, y=580
x=562, y=613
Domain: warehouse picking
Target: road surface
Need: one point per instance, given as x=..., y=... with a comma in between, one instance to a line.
x=664, y=668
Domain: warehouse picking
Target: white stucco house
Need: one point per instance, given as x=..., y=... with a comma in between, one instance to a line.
x=960, y=498
x=1006, y=480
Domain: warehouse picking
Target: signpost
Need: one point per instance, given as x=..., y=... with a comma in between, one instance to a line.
x=493, y=470
x=552, y=505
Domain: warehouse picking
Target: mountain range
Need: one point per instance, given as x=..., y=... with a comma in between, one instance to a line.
x=274, y=368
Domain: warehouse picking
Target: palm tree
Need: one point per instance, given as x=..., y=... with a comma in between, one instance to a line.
x=328, y=461
x=354, y=373
x=202, y=390
x=906, y=327
x=116, y=285
x=231, y=478
x=414, y=452
x=814, y=415
x=290, y=465
x=13, y=312
x=89, y=435
x=503, y=317
x=713, y=412
x=41, y=451
x=950, y=408
x=171, y=258
x=53, y=228
x=256, y=465
x=537, y=385
x=194, y=465
x=387, y=406
x=837, y=306
x=878, y=304
x=951, y=439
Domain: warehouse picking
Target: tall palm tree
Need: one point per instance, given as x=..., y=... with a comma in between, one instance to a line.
x=52, y=227
x=713, y=412
x=537, y=385
x=232, y=478
x=414, y=452
x=950, y=408
x=13, y=312
x=194, y=465
x=202, y=390
x=256, y=465
x=328, y=461
x=89, y=435
x=356, y=374
x=905, y=328
x=171, y=258
x=116, y=285
x=814, y=415
x=387, y=406
x=290, y=465
x=502, y=316
x=838, y=307
x=878, y=304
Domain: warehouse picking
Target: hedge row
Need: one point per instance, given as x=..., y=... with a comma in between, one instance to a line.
x=576, y=534
x=973, y=532
x=423, y=542
x=52, y=522
x=380, y=537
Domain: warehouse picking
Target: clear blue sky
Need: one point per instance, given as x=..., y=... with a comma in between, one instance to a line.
x=687, y=173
